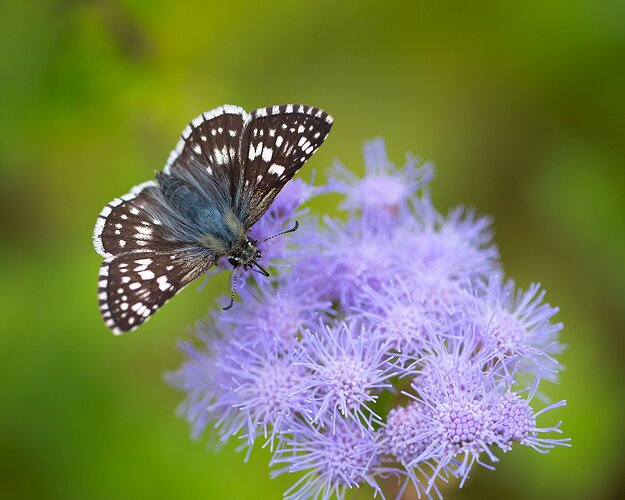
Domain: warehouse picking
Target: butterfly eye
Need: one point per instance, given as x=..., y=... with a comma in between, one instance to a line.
x=234, y=261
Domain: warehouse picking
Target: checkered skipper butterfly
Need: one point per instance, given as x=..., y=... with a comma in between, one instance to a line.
x=221, y=177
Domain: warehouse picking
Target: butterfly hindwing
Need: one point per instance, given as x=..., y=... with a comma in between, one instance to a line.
x=133, y=286
x=276, y=142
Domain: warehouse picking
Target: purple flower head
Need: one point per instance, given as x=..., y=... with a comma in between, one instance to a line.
x=457, y=247
x=383, y=195
x=458, y=427
x=407, y=309
x=332, y=462
x=268, y=388
x=278, y=309
x=403, y=430
x=201, y=377
x=519, y=323
x=467, y=408
x=515, y=422
x=350, y=366
x=385, y=345
x=343, y=258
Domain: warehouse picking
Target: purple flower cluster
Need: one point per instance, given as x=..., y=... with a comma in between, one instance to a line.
x=387, y=350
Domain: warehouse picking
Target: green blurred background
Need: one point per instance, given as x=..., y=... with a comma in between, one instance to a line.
x=521, y=105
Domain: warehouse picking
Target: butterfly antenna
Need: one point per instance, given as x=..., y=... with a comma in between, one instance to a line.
x=292, y=230
x=234, y=285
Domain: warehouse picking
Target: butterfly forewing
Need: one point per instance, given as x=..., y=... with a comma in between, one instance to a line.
x=133, y=286
x=207, y=154
x=135, y=222
x=276, y=142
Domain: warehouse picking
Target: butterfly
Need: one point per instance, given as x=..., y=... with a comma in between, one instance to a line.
x=221, y=177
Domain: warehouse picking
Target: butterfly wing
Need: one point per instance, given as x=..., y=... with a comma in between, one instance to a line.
x=207, y=154
x=147, y=258
x=137, y=221
x=275, y=144
x=134, y=285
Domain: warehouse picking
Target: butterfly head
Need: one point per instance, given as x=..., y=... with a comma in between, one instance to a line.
x=246, y=254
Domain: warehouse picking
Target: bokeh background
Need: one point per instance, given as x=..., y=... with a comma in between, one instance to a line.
x=520, y=104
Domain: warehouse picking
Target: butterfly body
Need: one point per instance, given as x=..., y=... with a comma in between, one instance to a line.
x=222, y=176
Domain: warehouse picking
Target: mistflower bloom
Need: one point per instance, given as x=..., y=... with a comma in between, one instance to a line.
x=457, y=247
x=470, y=407
x=351, y=254
x=515, y=422
x=350, y=366
x=387, y=347
x=401, y=440
x=201, y=377
x=520, y=324
x=459, y=424
x=268, y=388
x=332, y=462
x=279, y=309
x=385, y=191
x=406, y=311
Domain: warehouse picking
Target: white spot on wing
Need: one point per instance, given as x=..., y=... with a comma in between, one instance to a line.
x=219, y=158
x=267, y=154
x=146, y=275
x=162, y=283
x=276, y=169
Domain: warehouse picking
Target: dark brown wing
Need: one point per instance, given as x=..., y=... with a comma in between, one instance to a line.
x=133, y=286
x=207, y=154
x=276, y=142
